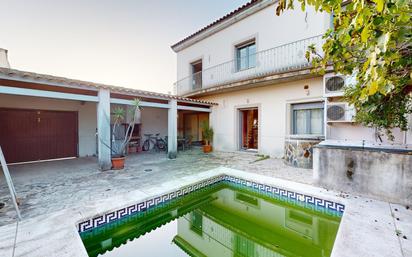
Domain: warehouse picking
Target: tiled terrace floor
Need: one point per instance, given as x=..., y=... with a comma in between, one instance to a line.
x=51, y=186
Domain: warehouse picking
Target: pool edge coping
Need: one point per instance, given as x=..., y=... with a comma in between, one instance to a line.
x=119, y=212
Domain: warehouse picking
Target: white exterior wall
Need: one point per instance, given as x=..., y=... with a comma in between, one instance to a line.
x=273, y=103
x=268, y=29
x=274, y=114
x=154, y=120
x=86, y=114
x=356, y=132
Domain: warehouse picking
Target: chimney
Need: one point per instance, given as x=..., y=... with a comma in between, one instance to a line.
x=4, y=61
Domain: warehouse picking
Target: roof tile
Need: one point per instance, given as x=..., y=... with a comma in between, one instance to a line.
x=227, y=16
x=15, y=74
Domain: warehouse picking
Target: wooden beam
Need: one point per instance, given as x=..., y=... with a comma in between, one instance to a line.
x=46, y=94
x=191, y=108
x=142, y=103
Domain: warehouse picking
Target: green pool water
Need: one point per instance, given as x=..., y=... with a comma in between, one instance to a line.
x=221, y=220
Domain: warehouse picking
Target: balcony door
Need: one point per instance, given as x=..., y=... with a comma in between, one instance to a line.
x=249, y=129
x=196, y=74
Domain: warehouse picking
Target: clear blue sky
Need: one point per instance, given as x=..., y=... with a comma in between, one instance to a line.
x=124, y=42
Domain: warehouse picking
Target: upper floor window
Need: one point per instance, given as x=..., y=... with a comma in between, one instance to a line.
x=307, y=118
x=196, y=68
x=246, y=55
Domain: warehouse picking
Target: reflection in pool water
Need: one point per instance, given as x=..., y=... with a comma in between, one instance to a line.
x=221, y=220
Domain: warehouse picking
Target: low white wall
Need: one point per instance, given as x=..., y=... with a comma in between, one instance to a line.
x=382, y=174
x=274, y=114
x=86, y=114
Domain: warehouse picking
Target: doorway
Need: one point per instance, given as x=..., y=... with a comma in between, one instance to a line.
x=34, y=135
x=197, y=74
x=190, y=125
x=249, y=128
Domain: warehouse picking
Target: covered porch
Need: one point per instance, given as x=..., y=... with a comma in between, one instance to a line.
x=44, y=117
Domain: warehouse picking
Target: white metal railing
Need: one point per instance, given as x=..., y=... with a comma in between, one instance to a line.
x=281, y=58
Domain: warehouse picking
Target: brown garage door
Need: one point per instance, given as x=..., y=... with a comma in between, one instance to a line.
x=31, y=135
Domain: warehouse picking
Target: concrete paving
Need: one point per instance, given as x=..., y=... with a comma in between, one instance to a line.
x=57, y=195
x=367, y=228
x=51, y=186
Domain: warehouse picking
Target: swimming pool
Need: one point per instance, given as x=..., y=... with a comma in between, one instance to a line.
x=221, y=217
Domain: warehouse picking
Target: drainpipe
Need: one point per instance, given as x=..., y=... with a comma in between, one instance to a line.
x=405, y=137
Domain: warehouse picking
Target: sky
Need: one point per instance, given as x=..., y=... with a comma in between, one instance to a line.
x=123, y=43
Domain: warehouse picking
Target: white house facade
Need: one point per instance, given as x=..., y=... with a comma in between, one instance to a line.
x=252, y=63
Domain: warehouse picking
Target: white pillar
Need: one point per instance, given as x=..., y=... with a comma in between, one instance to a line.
x=103, y=129
x=172, y=130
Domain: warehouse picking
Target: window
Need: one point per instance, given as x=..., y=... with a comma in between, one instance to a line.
x=246, y=55
x=307, y=119
x=196, y=222
x=247, y=199
x=196, y=74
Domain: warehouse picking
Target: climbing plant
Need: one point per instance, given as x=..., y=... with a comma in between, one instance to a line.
x=371, y=39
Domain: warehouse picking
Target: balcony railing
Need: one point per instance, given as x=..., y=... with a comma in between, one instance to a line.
x=290, y=56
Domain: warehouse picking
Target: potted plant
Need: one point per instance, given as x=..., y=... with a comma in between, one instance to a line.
x=118, y=147
x=207, y=137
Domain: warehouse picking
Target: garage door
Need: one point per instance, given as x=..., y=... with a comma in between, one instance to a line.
x=31, y=135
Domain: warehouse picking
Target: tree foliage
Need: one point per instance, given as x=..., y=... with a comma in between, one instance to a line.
x=372, y=39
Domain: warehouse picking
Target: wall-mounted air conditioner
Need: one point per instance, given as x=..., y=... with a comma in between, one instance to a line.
x=340, y=112
x=333, y=85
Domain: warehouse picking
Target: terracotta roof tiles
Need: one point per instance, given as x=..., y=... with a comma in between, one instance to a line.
x=14, y=74
x=227, y=16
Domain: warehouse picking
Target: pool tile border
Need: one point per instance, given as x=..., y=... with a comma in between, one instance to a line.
x=101, y=220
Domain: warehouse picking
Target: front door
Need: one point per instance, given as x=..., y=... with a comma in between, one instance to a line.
x=249, y=129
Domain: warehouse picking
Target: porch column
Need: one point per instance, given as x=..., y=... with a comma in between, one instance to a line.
x=172, y=130
x=103, y=129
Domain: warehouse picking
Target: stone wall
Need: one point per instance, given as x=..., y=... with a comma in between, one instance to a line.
x=378, y=173
x=299, y=152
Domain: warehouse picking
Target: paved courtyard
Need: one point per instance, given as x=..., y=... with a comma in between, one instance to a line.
x=51, y=186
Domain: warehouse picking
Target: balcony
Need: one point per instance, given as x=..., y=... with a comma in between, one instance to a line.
x=280, y=59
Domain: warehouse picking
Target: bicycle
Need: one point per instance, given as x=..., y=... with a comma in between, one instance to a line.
x=158, y=143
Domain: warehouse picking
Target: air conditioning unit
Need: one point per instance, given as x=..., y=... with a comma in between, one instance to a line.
x=340, y=112
x=333, y=84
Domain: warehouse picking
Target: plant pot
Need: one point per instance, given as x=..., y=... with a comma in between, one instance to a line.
x=118, y=163
x=207, y=148
x=132, y=149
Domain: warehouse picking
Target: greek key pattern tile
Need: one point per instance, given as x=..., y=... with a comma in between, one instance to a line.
x=314, y=201
x=311, y=201
x=143, y=206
